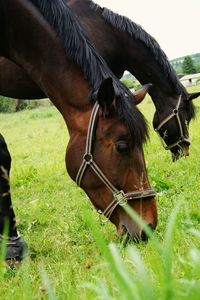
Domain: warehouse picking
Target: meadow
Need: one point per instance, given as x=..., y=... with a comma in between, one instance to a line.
x=71, y=254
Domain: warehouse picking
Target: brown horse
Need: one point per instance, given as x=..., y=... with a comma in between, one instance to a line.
x=125, y=46
x=104, y=155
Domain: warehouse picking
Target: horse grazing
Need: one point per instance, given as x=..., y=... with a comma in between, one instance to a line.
x=125, y=46
x=104, y=154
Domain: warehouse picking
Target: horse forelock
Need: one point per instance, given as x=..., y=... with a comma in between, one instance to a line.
x=133, y=118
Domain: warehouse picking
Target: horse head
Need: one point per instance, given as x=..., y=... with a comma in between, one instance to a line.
x=172, y=123
x=106, y=159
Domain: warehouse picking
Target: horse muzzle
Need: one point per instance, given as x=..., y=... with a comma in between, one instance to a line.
x=180, y=151
x=133, y=229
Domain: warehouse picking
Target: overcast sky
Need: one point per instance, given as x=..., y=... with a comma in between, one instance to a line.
x=175, y=24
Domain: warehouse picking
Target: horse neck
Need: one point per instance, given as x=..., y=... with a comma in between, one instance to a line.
x=140, y=62
x=124, y=52
x=44, y=59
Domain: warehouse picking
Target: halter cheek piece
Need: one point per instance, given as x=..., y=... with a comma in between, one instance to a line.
x=119, y=196
x=182, y=138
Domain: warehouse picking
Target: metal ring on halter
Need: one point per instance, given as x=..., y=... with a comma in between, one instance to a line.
x=182, y=138
x=119, y=197
x=88, y=158
x=175, y=111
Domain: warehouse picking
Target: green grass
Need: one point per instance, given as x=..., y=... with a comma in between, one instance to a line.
x=69, y=258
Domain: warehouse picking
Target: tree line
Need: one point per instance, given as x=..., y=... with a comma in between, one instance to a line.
x=187, y=66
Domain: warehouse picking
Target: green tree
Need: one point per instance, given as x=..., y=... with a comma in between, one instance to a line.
x=198, y=68
x=188, y=66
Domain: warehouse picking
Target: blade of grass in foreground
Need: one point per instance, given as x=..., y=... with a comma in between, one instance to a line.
x=26, y=285
x=141, y=274
x=168, y=254
x=139, y=285
x=195, y=233
x=136, y=218
x=125, y=283
x=47, y=285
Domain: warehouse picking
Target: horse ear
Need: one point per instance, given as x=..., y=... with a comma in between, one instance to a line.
x=106, y=95
x=139, y=95
x=193, y=96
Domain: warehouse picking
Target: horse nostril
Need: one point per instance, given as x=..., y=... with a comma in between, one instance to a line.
x=144, y=236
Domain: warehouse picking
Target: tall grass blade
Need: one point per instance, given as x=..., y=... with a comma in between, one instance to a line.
x=26, y=281
x=126, y=285
x=124, y=275
x=138, y=220
x=143, y=280
x=168, y=254
x=47, y=285
x=195, y=233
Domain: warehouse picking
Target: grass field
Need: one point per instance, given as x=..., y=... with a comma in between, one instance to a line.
x=66, y=261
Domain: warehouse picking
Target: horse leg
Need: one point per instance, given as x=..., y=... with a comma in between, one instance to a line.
x=15, y=245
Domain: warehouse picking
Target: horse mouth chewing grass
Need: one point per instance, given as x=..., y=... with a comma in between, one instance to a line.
x=182, y=151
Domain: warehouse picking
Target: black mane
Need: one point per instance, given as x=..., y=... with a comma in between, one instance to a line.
x=79, y=49
x=136, y=31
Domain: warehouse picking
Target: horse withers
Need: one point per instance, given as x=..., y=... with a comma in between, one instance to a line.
x=104, y=154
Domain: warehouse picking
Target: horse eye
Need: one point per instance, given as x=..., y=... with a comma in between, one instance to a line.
x=122, y=147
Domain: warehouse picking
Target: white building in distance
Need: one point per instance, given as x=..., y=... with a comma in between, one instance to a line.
x=191, y=79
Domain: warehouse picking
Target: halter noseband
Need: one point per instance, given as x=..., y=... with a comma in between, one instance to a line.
x=182, y=138
x=119, y=196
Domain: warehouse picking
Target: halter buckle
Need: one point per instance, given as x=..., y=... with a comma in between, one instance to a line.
x=120, y=198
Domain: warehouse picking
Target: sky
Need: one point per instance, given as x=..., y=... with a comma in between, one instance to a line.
x=175, y=24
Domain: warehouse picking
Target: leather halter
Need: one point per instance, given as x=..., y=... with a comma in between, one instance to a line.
x=182, y=138
x=119, y=196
